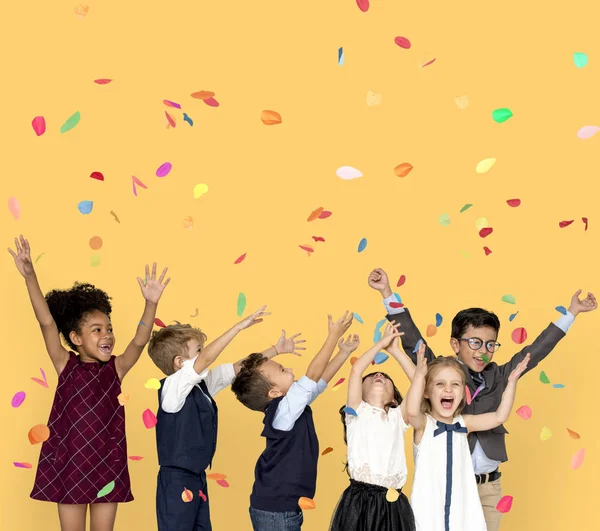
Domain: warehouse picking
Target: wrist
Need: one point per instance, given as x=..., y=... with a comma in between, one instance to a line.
x=573, y=311
x=274, y=348
x=386, y=292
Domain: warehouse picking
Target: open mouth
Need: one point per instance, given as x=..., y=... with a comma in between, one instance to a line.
x=479, y=362
x=447, y=403
x=105, y=349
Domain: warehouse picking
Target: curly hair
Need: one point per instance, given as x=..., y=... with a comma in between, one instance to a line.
x=69, y=308
x=169, y=342
x=433, y=368
x=251, y=387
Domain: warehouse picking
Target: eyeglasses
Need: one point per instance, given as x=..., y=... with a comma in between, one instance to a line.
x=475, y=344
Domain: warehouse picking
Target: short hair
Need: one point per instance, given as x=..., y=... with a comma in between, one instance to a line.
x=436, y=366
x=70, y=307
x=251, y=387
x=169, y=342
x=475, y=317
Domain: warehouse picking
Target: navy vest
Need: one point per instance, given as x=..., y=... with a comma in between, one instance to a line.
x=188, y=439
x=287, y=469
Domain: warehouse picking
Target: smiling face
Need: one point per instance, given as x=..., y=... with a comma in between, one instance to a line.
x=96, y=340
x=378, y=390
x=474, y=358
x=445, y=391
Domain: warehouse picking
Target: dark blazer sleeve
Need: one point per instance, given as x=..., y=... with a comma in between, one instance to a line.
x=411, y=335
x=539, y=349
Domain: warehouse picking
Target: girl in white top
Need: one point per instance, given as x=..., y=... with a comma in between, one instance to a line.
x=374, y=424
x=444, y=494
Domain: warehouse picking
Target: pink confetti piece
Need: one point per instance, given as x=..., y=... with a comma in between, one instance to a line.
x=149, y=419
x=136, y=457
x=102, y=81
x=138, y=182
x=164, y=169
x=14, y=207
x=41, y=382
x=587, y=131
x=577, y=459
x=564, y=224
x=363, y=5
x=39, y=125
x=519, y=335
x=468, y=396
x=325, y=214
x=211, y=102
x=340, y=381
x=585, y=220
x=22, y=465
x=485, y=232
x=223, y=483
x=505, y=504
x=487, y=251
x=318, y=239
x=429, y=63
x=18, y=399
x=202, y=495
x=403, y=42
x=240, y=259
x=43, y=375
x=524, y=412
x=170, y=119
x=134, y=189
x=513, y=202
x=169, y=103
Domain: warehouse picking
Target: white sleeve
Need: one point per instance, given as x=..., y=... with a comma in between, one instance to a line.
x=388, y=308
x=219, y=378
x=564, y=322
x=292, y=405
x=178, y=386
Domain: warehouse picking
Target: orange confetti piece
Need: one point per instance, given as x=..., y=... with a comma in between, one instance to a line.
x=315, y=214
x=270, y=118
x=327, y=450
x=402, y=170
x=431, y=330
x=20, y=464
x=136, y=457
x=123, y=398
x=577, y=459
x=188, y=222
x=149, y=419
x=306, y=503
x=223, y=483
x=573, y=434
x=95, y=242
x=353, y=360
x=39, y=433
x=187, y=495
x=170, y=119
x=216, y=476
x=203, y=94
x=240, y=259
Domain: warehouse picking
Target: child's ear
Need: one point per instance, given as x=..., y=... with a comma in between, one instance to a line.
x=177, y=362
x=454, y=344
x=274, y=393
x=75, y=338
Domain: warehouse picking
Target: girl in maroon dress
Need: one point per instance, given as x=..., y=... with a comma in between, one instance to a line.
x=87, y=450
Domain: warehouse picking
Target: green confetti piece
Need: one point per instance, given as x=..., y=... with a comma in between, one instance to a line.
x=38, y=258
x=580, y=59
x=106, y=490
x=444, y=220
x=465, y=208
x=501, y=115
x=95, y=260
x=543, y=378
x=241, y=304
x=465, y=254
x=70, y=123
x=485, y=358
x=509, y=298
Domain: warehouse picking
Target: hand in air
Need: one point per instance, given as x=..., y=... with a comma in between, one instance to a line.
x=349, y=345
x=379, y=280
x=152, y=288
x=254, y=318
x=22, y=257
x=289, y=345
x=339, y=327
x=580, y=306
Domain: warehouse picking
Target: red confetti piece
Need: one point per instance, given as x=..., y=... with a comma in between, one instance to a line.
x=505, y=504
x=102, y=81
x=306, y=248
x=149, y=419
x=216, y=475
x=524, y=412
x=136, y=457
x=22, y=465
x=487, y=250
x=170, y=119
x=97, y=175
x=577, y=459
x=172, y=104
x=513, y=202
x=203, y=95
x=202, y=495
x=315, y=214
x=519, y=335
x=363, y=5
x=41, y=382
x=223, y=483
x=340, y=381
x=240, y=259
x=396, y=305
x=585, y=220
x=486, y=231
x=401, y=281
x=318, y=239
x=158, y=322
x=403, y=42
x=468, y=395
x=429, y=63
x=325, y=214
x=39, y=125
x=211, y=102
x=573, y=434
x=327, y=450
x=564, y=224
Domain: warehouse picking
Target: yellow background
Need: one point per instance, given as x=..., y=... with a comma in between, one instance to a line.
x=265, y=180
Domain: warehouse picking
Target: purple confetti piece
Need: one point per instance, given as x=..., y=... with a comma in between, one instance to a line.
x=18, y=399
x=164, y=169
x=172, y=104
x=44, y=375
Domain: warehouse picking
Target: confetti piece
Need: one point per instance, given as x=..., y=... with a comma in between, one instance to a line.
x=585, y=220
x=70, y=123
x=170, y=119
x=431, y=330
x=95, y=242
x=363, y=5
x=14, y=207
x=465, y=208
x=195, y=313
x=41, y=382
x=403, y=42
x=164, y=169
x=444, y=220
x=487, y=251
x=169, y=103
x=396, y=305
x=462, y=102
x=468, y=396
x=512, y=316
x=392, y=495
x=358, y=318
x=136, y=457
x=102, y=81
x=149, y=419
x=22, y=465
x=513, y=202
x=519, y=335
x=485, y=232
x=38, y=258
x=325, y=214
x=353, y=360
x=39, y=433
x=187, y=495
x=240, y=259
x=223, y=483
x=429, y=62
x=216, y=476
x=561, y=309
x=200, y=190
x=306, y=503
x=350, y=411
x=481, y=223
x=362, y=245
x=327, y=450
x=587, y=131
x=501, y=115
x=114, y=216
x=485, y=358
x=340, y=56
x=241, y=304
x=543, y=378
x=573, y=434
x=380, y=358
x=546, y=433
x=577, y=459
x=318, y=239
x=485, y=165
x=188, y=222
x=564, y=224
x=558, y=386
x=18, y=399
x=307, y=248
x=505, y=504
x=465, y=254
x=39, y=125
x=95, y=260
x=374, y=98
x=203, y=95
x=398, y=298
x=339, y=382
x=187, y=119
x=348, y=172
x=85, y=207
x=107, y=489
x=417, y=346
x=508, y=298
x=152, y=383
x=580, y=59
x=377, y=334
x=402, y=170
x=97, y=175
x=270, y=118
x=315, y=214
x=524, y=412
x=158, y=322
x=81, y=10
x=202, y=495
x=123, y=398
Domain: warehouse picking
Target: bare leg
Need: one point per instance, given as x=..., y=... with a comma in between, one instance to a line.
x=72, y=517
x=102, y=516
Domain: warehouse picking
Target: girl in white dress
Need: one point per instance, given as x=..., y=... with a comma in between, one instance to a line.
x=374, y=424
x=444, y=494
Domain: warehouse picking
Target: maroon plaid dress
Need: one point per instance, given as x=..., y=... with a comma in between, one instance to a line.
x=87, y=447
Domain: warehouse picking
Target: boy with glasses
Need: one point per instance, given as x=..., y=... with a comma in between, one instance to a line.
x=474, y=340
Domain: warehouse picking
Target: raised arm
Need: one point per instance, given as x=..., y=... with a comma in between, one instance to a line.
x=346, y=348
x=152, y=290
x=58, y=354
x=414, y=397
x=488, y=421
x=400, y=356
x=336, y=330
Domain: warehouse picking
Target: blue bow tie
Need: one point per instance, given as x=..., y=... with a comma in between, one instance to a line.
x=442, y=427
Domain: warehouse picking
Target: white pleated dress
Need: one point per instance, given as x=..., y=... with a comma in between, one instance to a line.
x=429, y=492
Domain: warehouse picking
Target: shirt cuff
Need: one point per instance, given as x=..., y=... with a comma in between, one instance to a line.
x=389, y=309
x=564, y=322
x=190, y=372
x=307, y=384
x=321, y=386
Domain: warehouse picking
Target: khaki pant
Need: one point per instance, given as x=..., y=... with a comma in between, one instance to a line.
x=490, y=494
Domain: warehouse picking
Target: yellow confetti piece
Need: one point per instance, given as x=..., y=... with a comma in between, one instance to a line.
x=462, y=102
x=465, y=254
x=200, y=190
x=374, y=98
x=392, y=495
x=95, y=260
x=152, y=383
x=485, y=165
x=546, y=433
x=335, y=389
x=123, y=398
x=81, y=11
x=481, y=223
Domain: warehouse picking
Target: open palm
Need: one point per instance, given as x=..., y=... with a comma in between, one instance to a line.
x=152, y=288
x=22, y=256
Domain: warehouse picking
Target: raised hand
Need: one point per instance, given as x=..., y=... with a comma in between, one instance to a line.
x=378, y=280
x=421, y=361
x=389, y=334
x=348, y=346
x=339, y=327
x=252, y=319
x=22, y=257
x=519, y=369
x=151, y=288
x=289, y=345
x=586, y=305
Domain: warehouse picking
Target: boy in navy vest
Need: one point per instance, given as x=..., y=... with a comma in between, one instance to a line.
x=186, y=432
x=287, y=469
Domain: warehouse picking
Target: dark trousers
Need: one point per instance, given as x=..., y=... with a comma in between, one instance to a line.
x=172, y=513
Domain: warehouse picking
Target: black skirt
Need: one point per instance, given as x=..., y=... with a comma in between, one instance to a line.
x=363, y=507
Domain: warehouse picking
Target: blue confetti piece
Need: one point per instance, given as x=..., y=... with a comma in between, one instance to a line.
x=561, y=309
x=350, y=411
x=438, y=319
x=558, y=386
x=380, y=357
x=377, y=335
x=187, y=119
x=398, y=298
x=358, y=318
x=85, y=207
x=362, y=245
x=341, y=56
x=513, y=316
x=417, y=346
